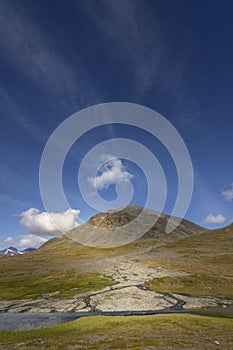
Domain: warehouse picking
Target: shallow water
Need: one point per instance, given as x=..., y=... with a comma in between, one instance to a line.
x=27, y=321
x=214, y=311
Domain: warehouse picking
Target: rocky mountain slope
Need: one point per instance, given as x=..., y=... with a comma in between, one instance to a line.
x=115, y=228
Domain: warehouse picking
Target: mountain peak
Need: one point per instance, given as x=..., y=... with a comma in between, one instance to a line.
x=115, y=218
x=11, y=251
x=111, y=228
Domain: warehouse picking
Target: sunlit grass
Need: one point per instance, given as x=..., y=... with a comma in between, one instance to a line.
x=207, y=258
x=196, y=285
x=60, y=266
x=34, y=286
x=188, y=331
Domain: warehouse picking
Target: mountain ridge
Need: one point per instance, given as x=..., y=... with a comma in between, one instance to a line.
x=126, y=225
x=11, y=251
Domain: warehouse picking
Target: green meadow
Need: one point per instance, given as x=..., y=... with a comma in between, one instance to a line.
x=135, y=332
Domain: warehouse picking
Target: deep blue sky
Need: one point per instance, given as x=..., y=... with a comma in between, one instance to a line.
x=57, y=57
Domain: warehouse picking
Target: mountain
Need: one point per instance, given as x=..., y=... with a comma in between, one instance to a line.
x=28, y=250
x=131, y=223
x=11, y=251
x=191, y=263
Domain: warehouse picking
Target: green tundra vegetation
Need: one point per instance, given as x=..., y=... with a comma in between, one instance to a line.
x=207, y=257
x=53, y=268
x=58, y=266
x=65, y=284
x=67, y=268
x=136, y=332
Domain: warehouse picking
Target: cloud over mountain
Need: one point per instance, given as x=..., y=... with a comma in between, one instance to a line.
x=111, y=171
x=215, y=219
x=6, y=242
x=30, y=241
x=49, y=224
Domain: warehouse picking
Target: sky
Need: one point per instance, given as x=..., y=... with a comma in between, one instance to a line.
x=60, y=57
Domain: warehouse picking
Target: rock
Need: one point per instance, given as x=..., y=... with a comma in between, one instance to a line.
x=128, y=294
x=198, y=302
x=130, y=299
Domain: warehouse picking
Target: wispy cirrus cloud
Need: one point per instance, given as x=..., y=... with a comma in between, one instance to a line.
x=27, y=47
x=228, y=194
x=6, y=199
x=26, y=44
x=137, y=39
x=17, y=116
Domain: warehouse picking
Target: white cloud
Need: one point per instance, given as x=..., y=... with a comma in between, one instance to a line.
x=7, y=242
x=215, y=219
x=228, y=194
x=49, y=224
x=30, y=241
x=112, y=171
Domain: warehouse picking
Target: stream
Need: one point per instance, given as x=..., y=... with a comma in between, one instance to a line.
x=29, y=321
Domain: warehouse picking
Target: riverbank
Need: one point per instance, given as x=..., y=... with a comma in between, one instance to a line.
x=31, y=321
x=177, y=331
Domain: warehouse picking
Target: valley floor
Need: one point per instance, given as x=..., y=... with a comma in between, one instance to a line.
x=127, y=293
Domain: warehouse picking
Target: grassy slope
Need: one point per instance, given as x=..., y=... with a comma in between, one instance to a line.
x=161, y=331
x=63, y=265
x=58, y=266
x=207, y=257
x=36, y=286
x=48, y=270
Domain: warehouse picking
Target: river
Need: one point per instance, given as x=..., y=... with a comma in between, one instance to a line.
x=28, y=321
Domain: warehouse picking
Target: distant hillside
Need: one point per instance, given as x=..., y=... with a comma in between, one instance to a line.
x=109, y=228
